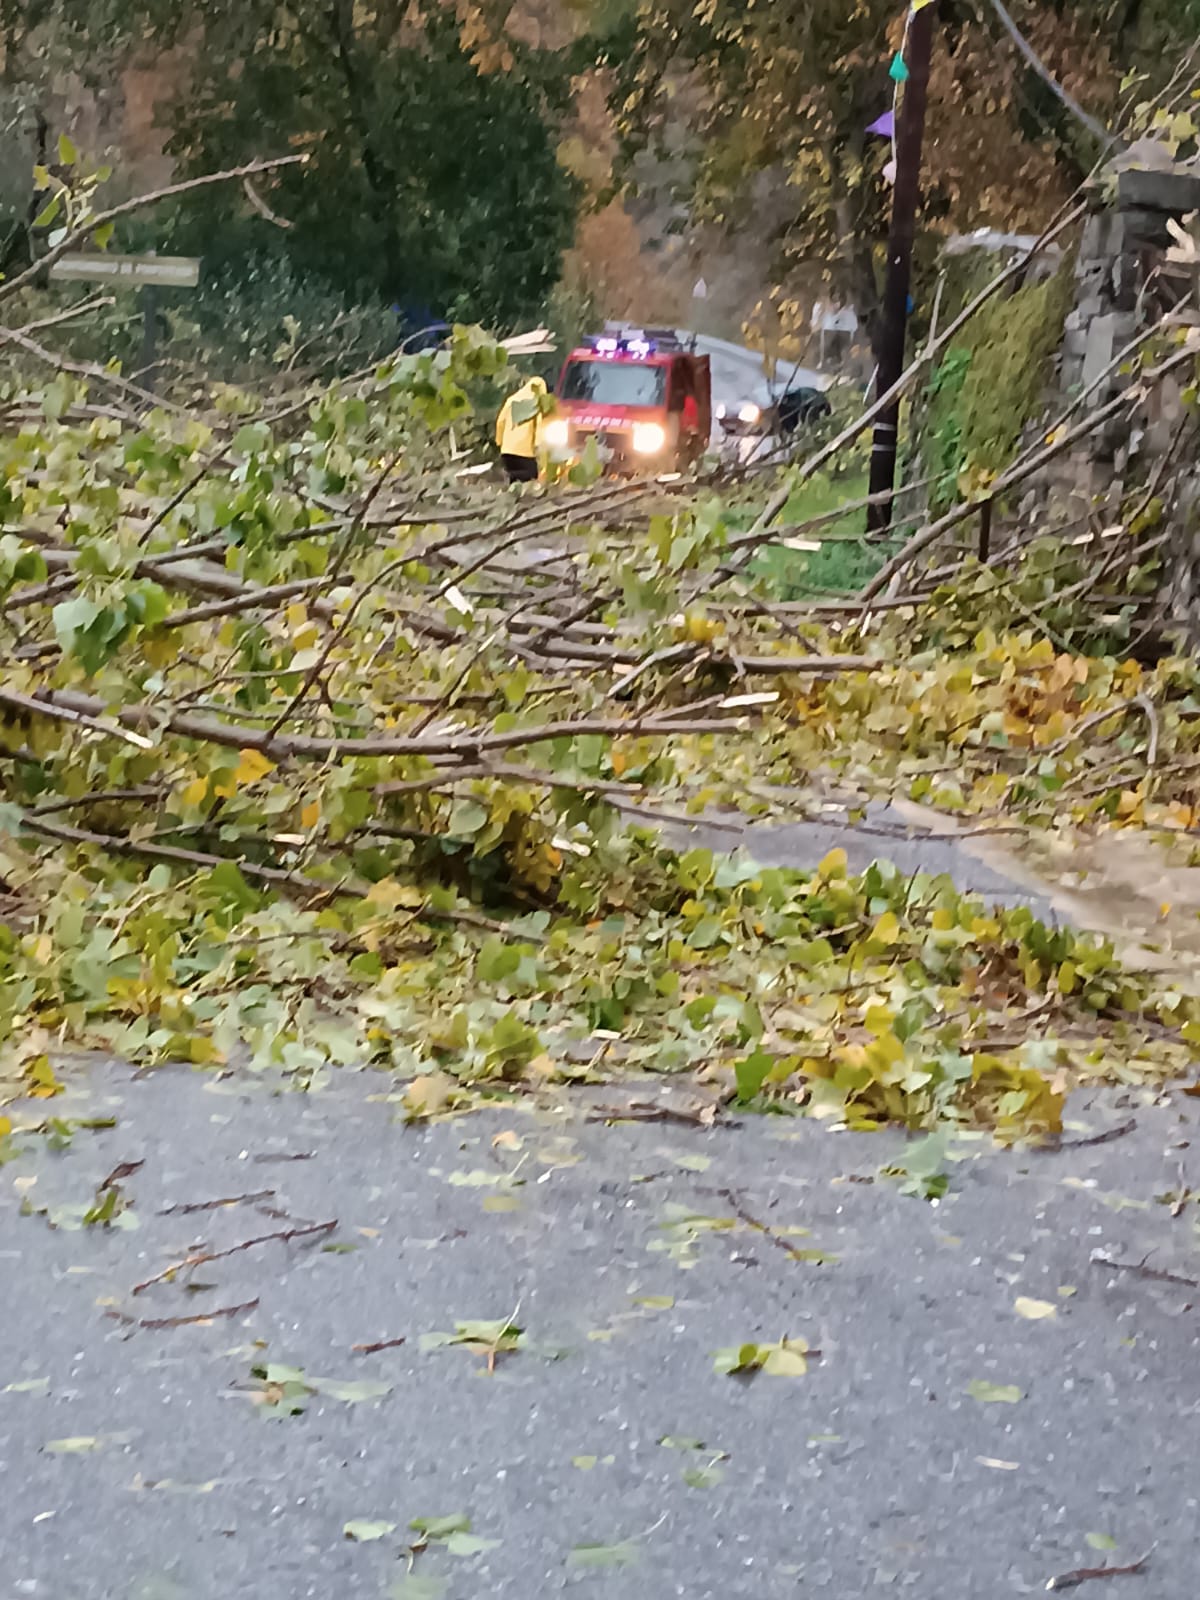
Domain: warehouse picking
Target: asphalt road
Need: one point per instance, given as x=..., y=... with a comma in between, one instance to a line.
x=138, y=1463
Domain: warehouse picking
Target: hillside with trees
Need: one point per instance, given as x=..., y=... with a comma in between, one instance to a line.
x=665, y=140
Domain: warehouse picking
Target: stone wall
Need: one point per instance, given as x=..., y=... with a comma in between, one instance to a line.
x=1125, y=285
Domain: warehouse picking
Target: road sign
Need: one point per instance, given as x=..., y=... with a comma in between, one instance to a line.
x=174, y=272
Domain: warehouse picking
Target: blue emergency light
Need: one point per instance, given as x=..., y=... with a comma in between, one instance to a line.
x=635, y=345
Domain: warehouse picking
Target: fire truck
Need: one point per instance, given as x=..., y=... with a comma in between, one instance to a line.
x=642, y=394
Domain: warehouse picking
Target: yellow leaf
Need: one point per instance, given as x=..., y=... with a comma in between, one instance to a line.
x=1067, y=978
x=5, y=1127
x=40, y=1075
x=1034, y=1310
x=427, y=1095
x=311, y=814
x=887, y=930
x=252, y=766
x=834, y=864
x=885, y=1052
x=195, y=792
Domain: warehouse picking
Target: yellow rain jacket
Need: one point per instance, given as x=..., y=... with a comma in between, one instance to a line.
x=521, y=438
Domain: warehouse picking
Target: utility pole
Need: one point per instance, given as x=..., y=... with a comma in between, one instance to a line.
x=910, y=136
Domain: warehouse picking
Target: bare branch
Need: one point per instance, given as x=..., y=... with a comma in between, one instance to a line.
x=138, y=203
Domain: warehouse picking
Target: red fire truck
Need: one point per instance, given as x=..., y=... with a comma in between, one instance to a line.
x=641, y=393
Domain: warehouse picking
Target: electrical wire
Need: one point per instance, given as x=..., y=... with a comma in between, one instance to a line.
x=1047, y=77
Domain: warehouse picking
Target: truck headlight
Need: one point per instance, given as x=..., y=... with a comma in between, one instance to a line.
x=749, y=412
x=557, y=432
x=648, y=438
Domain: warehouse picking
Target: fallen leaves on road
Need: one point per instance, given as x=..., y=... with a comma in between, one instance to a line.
x=994, y=1393
x=788, y=1358
x=1034, y=1310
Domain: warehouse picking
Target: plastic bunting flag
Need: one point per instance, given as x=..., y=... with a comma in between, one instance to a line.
x=884, y=126
x=919, y=5
x=898, y=71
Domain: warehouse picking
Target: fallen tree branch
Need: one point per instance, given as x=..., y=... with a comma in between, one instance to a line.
x=1066, y=219
x=70, y=705
x=1026, y=467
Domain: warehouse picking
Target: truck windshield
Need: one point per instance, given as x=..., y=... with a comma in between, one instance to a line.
x=614, y=383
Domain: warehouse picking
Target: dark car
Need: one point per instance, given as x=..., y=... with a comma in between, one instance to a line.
x=800, y=408
x=795, y=408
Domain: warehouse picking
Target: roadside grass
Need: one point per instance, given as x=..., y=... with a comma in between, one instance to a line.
x=843, y=563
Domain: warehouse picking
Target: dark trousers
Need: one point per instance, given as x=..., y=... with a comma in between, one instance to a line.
x=520, y=469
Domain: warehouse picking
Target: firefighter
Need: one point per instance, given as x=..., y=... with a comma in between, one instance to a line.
x=520, y=442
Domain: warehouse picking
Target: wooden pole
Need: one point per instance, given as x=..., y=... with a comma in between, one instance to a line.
x=910, y=136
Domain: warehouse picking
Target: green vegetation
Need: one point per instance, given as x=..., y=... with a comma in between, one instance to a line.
x=843, y=563
x=990, y=385
x=311, y=755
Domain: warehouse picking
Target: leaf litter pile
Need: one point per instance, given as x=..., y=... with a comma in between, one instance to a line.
x=314, y=752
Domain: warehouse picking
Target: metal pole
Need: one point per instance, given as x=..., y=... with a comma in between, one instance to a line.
x=910, y=134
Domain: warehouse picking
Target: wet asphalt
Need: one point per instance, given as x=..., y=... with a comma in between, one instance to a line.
x=143, y=1459
x=877, y=1470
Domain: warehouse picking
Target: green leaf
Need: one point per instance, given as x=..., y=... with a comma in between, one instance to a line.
x=787, y=1359
x=703, y=1477
x=353, y=1393
x=994, y=1393
x=469, y=1544
x=1101, y=1541
x=467, y=818
x=417, y=1586
x=438, y=1529
x=750, y=1073
x=67, y=153
x=49, y=211
x=588, y=1557
x=105, y=1210
x=365, y=1532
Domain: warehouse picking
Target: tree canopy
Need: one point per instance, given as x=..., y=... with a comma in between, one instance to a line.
x=790, y=87
x=432, y=177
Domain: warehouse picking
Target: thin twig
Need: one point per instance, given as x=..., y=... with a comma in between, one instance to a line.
x=1141, y=1270
x=780, y=1243
x=216, y=1205
x=1107, y=1137
x=198, y=1318
x=1072, y=1580
x=202, y=1257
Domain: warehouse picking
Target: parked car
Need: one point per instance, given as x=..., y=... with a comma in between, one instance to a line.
x=796, y=408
